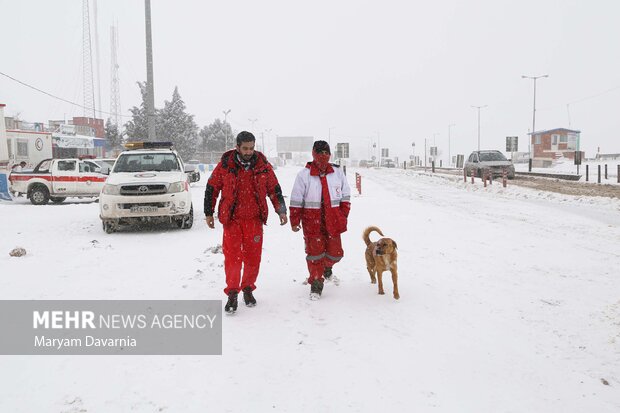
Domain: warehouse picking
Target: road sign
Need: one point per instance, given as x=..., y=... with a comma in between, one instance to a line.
x=512, y=143
x=459, y=160
x=578, y=157
x=342, y=151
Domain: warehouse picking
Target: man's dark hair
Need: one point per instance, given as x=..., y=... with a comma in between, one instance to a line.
x=320, y=146
x=245, y=136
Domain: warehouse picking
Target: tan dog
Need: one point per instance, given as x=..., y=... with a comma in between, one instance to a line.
x=381, y=256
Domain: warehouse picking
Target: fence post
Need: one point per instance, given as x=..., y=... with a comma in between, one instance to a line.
x=440, y=163
x=599, y=174
x=465, y=174
x=433, y=166
x=504, y=174
x=472, y=175
x=484, y=177
x=587, y=173
x=605, y=171
x=618, y=174
x=490, y=177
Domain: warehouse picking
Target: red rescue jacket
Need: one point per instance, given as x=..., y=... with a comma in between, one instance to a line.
x=225, y=178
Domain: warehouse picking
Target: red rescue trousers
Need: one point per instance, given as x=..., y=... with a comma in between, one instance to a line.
x=242, y=245
x=322, y=250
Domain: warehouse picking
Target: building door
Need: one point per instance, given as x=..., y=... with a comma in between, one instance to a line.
x=555, y=140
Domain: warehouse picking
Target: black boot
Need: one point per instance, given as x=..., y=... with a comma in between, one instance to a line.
x=316, y=288
x=330, y=277
x=231, y=305
x=248, y=297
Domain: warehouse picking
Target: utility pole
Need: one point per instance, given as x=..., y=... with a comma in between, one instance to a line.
x=534, y=78
x=425, y=157
x=479, y=107
x=380, y=151
x=253, y=121
x=449, y=156
x=225, y=112
x=262, y=137
x=150, y=89
x=115, y=88
x=87, y=63
x=97, y=64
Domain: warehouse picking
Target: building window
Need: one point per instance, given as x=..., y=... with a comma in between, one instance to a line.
x=563, y=139
x=9, y=143
x=22, y=148
x=537, y=139
x=554, y=139
x=572, y=142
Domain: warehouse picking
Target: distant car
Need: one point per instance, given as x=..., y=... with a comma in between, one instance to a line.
x=367, y=164
x=192, y=163
x=193, y=170
x=492, y=161
x=388, y=163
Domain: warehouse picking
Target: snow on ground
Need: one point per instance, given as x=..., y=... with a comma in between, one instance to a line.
x=509, y=303
x=567, y=166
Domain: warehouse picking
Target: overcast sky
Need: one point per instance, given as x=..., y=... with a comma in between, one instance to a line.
x=399, y=70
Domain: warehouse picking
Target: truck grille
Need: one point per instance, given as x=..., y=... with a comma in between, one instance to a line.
x=145, y=189
x=153, y=204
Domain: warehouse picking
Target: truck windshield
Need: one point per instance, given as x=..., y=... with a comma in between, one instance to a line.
x=154, y=162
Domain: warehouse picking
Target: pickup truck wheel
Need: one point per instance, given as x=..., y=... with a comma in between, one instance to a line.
x=108, y=227
x=39, y=195
x=58, y=199
x=188, y=220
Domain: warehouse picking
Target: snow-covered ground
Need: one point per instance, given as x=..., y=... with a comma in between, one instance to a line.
x=510, y=302
x=567, y=166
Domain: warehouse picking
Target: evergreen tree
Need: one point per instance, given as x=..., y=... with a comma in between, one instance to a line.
x=137, y=128
x=178, y=126
x=213, y=137
x=112, y=134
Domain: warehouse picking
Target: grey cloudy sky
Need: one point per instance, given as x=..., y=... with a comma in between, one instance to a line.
x=405, y=69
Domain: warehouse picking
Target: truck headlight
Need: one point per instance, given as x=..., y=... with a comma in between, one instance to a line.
x=110, y=189
x=177, y=187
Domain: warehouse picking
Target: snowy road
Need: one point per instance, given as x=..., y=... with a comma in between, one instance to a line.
x=510, y=302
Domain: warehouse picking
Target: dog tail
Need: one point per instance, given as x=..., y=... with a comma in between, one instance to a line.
x=367, y=232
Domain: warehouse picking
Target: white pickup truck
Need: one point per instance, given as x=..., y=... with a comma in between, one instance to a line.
x=148, y=183
x=57, y=179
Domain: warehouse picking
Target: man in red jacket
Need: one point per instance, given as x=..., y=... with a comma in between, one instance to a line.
x=245, y=179
x=320, y=203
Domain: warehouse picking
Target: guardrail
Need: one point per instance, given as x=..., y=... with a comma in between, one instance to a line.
x=566, y=177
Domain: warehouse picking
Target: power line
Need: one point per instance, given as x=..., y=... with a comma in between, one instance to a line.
x=59, y=98
x=594, y=96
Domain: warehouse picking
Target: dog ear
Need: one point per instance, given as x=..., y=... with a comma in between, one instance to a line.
x=395, y=246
